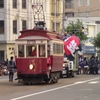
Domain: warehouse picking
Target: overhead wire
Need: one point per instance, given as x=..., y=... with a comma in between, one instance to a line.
x=23, y=15
x=46, y=14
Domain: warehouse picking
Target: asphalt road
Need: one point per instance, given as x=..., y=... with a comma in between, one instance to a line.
x=81, y=87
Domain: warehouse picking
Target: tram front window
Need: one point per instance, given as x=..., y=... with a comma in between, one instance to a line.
x=31, y=51
x=20, y=50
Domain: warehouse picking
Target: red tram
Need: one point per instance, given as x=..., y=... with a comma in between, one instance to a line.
x=39, y=56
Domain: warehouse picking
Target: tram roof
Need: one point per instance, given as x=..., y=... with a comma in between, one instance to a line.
x=36, y=34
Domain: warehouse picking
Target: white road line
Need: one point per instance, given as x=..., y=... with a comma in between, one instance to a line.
x=93, y=82
x=29, y=95
x=4, y=79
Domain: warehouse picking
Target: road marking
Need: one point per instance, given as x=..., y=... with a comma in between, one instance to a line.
x=93, y=82
x=3, y=79
x=29, y=95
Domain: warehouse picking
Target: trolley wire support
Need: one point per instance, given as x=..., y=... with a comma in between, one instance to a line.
x=39, y=18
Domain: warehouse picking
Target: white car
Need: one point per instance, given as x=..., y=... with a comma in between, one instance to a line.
x=67, y=69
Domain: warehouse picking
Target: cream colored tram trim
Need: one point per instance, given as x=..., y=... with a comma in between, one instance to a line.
x=46, y=50
x=17, y=50
x=37, y=48
x=25, y=51
x=58, y=41
x=21, y=42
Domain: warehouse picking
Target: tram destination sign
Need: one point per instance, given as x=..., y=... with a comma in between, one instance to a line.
x=31, y=42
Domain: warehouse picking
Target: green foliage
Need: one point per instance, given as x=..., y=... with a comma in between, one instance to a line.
x=76, y=27
x=96, y=41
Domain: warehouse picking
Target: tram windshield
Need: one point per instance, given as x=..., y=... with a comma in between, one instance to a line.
x=33, y=50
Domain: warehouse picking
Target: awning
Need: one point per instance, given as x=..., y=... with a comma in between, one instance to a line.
x=89, y=49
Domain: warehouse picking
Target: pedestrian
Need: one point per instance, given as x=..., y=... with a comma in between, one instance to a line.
x=81, y=63
x=85, y=62
x=92, y=64
x=11, y=66
x=96, y=65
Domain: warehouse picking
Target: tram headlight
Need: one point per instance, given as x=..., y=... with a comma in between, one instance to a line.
x=63, y=65
x=31, y=66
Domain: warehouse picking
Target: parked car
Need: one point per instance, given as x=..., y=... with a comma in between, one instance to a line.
x=67, y=68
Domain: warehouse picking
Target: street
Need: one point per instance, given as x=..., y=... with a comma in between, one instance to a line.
x=81, y=87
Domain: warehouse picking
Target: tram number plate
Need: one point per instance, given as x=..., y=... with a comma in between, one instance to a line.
x=64, y=72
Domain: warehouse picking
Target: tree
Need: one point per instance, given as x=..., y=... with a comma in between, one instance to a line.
x=96, y=40
x=77, y=29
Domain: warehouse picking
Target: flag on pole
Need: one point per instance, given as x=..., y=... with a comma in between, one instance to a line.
x=71, y=45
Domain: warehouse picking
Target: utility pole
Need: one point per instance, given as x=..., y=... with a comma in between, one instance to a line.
x=55, y=16
x=63, y=16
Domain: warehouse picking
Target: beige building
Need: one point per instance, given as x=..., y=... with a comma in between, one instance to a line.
x=87, y=11
x=56, y=8
x=17, y=15
x=82, y=8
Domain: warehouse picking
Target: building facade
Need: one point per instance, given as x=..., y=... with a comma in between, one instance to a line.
x=88, y=12
x=17, y=15
x=82, y=8
x=56, y=10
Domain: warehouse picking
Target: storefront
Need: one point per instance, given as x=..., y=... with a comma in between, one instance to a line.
x=89, y=50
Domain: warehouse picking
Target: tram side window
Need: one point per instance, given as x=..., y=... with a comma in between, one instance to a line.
x=61, y=48
x=20, y=50
x=42, y=51
x=57, y=48
x=54, y=48
x=31, y=51
x=48, y=50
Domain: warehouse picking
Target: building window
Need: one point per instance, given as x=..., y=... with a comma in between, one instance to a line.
x=55, y=27
x=24, y=25
x=69, y=14
x=97, y=22
x=69, y=4
x=87, y=14
x=87, y=2
x=15, y=4
x=14, y=26
x=79, y=2
x=1, y=56
x=1, y=3
x=79, y=14
x=23, y=4
x=55, y=7
x=1, y=26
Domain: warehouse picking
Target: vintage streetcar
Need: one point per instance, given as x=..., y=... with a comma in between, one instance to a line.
x=39, y=56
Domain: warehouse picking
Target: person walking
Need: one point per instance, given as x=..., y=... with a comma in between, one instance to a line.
x=92, y=64
x=11, y=66
x=85, y=62
x=96, y=65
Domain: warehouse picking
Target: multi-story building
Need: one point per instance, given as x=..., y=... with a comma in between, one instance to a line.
x=56, y=15
x=82, y=8
x=17, y=15
x=88, y=12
